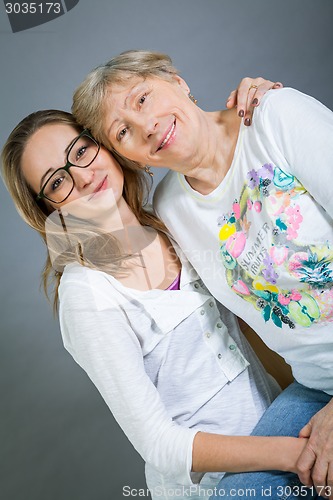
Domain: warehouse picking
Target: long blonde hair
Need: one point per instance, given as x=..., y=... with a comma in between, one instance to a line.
x=136, y=190
x=90, y=97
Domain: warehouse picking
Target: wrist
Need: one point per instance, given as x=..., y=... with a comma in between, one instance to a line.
x=293, y=448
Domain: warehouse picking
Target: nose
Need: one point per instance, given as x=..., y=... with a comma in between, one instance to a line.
x=83, y=177
x=146, y=124
x=151, y=126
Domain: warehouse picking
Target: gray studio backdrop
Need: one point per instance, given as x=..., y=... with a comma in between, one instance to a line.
x=58, y=438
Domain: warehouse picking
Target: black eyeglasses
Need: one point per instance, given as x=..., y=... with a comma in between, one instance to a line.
x=60, y=184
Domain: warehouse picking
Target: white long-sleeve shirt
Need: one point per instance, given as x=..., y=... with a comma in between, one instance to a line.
x=262, y=241
x=168, y=365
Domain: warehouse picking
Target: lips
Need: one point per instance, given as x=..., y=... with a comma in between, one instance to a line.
x=101, y=186
x=169, y=135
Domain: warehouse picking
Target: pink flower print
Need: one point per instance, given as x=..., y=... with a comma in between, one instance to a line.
x=294, y=220
x=257, y=206
x=236, y=209
x=240, y=287
x=278, y=254
x=249, y=204
x=295, y=295
x=294, y=216
x=236, y=243
x=283, y=299
x=291, y=233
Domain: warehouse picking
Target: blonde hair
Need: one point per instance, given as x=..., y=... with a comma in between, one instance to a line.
x=89, y=98
x=135, y=192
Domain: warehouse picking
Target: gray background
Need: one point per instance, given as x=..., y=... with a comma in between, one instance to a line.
x=58, y=438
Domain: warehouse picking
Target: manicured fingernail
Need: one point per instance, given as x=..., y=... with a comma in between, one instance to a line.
x=247, y=122
x=255, y=102
x=241, y=113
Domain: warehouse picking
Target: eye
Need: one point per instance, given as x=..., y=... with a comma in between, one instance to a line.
x=80, y=152
x=142, y=99
x=56, y=183
x=122, y=134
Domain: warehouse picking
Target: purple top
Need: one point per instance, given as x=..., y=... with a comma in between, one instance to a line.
x=175, y=284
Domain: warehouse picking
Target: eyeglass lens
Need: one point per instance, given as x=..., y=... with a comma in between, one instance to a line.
x=81, y=154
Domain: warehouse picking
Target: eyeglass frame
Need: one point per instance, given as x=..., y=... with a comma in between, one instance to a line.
x=68, y=165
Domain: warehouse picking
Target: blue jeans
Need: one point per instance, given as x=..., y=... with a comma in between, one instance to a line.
x=286, y=416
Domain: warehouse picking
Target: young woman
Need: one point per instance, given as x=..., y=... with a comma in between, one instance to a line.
x=250, y=207
x=168, y=359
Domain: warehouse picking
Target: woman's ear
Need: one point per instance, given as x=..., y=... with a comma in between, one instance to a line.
x=181, y=82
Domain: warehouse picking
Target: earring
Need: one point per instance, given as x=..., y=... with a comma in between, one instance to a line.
x=193, y=99
x=148, y=171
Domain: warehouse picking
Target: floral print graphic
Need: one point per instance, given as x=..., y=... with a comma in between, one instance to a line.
x=262, y=251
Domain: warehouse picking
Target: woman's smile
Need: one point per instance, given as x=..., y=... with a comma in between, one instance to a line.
x=169, y=137
x=102, y=186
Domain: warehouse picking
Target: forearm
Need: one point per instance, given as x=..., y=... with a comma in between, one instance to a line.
x=217, y=453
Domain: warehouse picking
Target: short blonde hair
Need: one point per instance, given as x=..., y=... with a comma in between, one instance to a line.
x=89, y=106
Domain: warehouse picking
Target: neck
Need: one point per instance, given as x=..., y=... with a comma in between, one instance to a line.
x=117, y=218
x=128, y=230
x=215, y=151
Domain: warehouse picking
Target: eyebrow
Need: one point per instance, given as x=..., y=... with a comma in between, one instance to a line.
x=53, y=169
x=43, y=177
x=132, y=91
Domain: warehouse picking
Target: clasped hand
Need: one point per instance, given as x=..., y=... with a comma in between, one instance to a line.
x=315, y=464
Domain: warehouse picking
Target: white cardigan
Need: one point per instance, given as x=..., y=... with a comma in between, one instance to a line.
x=167, y=366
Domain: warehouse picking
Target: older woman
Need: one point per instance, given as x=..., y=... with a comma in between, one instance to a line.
x=249, y=211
